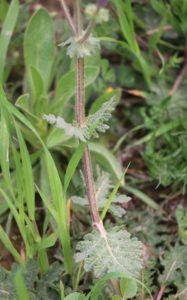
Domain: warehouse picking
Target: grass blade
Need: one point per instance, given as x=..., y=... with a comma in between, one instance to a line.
x=6, y=33
x=59, y=203
x=8, y=244
x=20, y=285
x=146, y=199
x=28, y=179
x=73, y=163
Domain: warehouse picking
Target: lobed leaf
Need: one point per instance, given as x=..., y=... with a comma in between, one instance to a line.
x=94, y=125
x=117, y=252
x=103, y=187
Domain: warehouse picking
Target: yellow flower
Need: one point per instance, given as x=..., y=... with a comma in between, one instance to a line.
x=109, y=90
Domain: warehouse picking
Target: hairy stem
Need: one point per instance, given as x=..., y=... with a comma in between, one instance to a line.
x=80, y=117
x=78, y=17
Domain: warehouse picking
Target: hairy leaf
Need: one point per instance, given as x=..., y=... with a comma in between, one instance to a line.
x=103, y=186
x=96, y=123
x=174, y=260
x=116, y=252
x=69, y=129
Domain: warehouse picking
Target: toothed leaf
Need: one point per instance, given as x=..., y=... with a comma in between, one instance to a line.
x=103, y=187
x=69, y=129
x=96, y=123
x=118, y=252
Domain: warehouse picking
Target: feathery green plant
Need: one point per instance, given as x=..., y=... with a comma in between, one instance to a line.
x=120, y=252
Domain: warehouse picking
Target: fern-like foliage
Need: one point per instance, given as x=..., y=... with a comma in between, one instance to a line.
x=117, y=252
x=103, y=186
x=174, y=261
x=95, y=124
x=69, y=129
x=39, y=286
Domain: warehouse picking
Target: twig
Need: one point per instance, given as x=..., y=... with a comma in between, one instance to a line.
x=180, y=77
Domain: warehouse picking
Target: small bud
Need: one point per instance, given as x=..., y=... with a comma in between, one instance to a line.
x=102, y=16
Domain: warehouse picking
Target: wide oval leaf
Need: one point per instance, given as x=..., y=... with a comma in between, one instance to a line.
x=39, y=44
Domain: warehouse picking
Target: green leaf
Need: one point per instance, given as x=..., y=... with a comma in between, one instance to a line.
x=72, y=165
x=3, y=9
x=8, y=244
x=117, y=297
x=105, y=200
x=95, y=124
x=126, y=21
x=6, y=33
x=12, y=109
x=56, y=138
x=111, y=198
x=128, y=287
x=66, y=87
x=103, y=99
x=112, y=252
x=20, y=285
x=142, y=196
x=125, y=14
x=75, y=296
x=4, y=152
x=59, y=203
x=39, y=46
x=106, y=159
x=95, y=292
x=174, y=260
x=48, y=241
x=159, y=7
x=23, y=103
x=27, y=175
x=36, y=82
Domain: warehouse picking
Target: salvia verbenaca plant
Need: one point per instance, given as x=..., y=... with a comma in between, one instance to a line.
x=102, y=251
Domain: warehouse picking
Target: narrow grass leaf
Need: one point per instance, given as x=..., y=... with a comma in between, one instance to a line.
x=20, y=286
x=8, y=244
x=112, y=195
x=105, y=158
x=6, y=33
x=61, y=209
x=142, y=196
x=28, y=179
x=20, y=224
x=4, y=152
x=72, y=165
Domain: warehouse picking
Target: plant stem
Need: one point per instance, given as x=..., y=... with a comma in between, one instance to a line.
x=90, y=27
x=68, y=17
x=80, y=117
x=160, y=294
x=78, y=17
